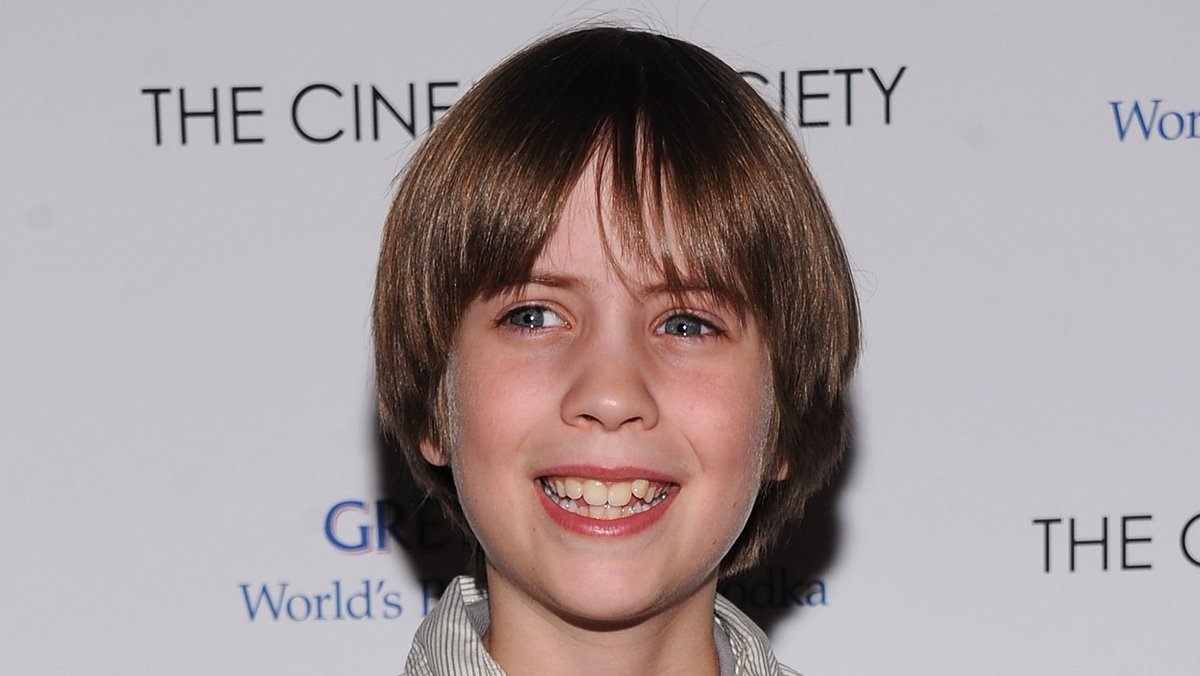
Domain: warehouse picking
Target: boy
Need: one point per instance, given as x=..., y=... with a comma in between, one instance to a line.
x=614, y=326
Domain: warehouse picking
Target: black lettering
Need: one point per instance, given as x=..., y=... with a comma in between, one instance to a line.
x=237, y=137
x=849, y=74
x=1046, y=523
x=410, y=125
x=762, y=79
x=185, y=114
x=1183, y=540
x=783, y=94
x=157, y=92
x=357, y=113
x=887, y=91
x=434, y=107
x=751, y=75
x=805, y=96
x=296, y=113
x=1126, y=541
x=1101, y=541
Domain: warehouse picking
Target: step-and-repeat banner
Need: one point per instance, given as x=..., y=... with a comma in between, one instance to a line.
x=193, y=195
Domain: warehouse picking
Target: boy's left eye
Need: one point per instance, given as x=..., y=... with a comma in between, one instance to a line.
x=686, y=325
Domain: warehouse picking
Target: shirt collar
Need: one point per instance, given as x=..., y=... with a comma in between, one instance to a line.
x=450, y=640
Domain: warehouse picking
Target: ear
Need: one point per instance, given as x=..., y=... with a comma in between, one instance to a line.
x=433, y=453
x=782, y=470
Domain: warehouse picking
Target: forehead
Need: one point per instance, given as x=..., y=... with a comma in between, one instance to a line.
x=590, y=242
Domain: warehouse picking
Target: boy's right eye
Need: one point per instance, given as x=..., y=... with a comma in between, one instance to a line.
x=533, y=317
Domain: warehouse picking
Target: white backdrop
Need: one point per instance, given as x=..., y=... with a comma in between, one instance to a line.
x=185, y=373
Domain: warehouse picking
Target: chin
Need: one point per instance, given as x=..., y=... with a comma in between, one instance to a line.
x=612, y=596
x=606, y=610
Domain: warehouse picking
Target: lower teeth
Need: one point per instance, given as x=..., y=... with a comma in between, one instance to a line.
x=601, y=512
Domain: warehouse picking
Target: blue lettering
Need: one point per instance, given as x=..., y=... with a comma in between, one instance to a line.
x=277, y=602
x=365, y=596
x=431, y=593
x=274, y=605
x=1146, y=126
x=774, y=587
x=385, y=524
x=375, y=529
x=816, y=594
x=321, y=599
x=362, y=543
x=291, y=608
x=392, y=609
x=1179, y=126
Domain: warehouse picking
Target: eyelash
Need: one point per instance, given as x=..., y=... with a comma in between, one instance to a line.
x=506, y=319
x=708, y=329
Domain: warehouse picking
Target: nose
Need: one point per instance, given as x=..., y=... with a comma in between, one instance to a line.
x=610, y=389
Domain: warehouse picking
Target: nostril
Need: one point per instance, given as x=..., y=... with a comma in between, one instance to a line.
x=610, y=398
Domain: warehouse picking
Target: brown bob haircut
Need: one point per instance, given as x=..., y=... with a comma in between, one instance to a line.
x=678, y=133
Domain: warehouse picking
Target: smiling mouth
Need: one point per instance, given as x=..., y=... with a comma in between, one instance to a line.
x=604, y=500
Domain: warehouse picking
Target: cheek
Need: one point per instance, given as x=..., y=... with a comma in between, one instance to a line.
x=727, y=418
x=493, y=405
x=739, y=411
x=492, y=409
x=759, y=412
x=732, y=446
x=492, y=402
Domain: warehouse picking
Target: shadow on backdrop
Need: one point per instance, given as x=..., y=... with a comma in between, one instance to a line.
x=789, y=578
x=434, y=549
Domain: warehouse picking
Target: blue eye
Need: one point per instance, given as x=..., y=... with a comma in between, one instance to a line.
x=686, y=325
x=533, y=317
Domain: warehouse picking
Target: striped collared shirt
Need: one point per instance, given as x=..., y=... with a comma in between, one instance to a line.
x=449, y=642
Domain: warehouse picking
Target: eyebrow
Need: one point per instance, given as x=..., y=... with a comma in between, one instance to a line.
x=553, y=280
x=559, y=281
x=663, y=287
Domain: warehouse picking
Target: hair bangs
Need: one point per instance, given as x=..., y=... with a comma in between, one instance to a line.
x=666, y=162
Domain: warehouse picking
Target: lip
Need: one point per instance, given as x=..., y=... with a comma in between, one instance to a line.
x=627, y=473
x=627, y=526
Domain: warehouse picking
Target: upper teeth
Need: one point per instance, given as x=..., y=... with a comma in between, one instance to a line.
x=601, y=494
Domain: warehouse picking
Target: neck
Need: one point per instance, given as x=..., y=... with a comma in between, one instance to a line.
x=527, y=638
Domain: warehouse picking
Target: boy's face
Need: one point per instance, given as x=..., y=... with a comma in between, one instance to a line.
x=595, y=379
